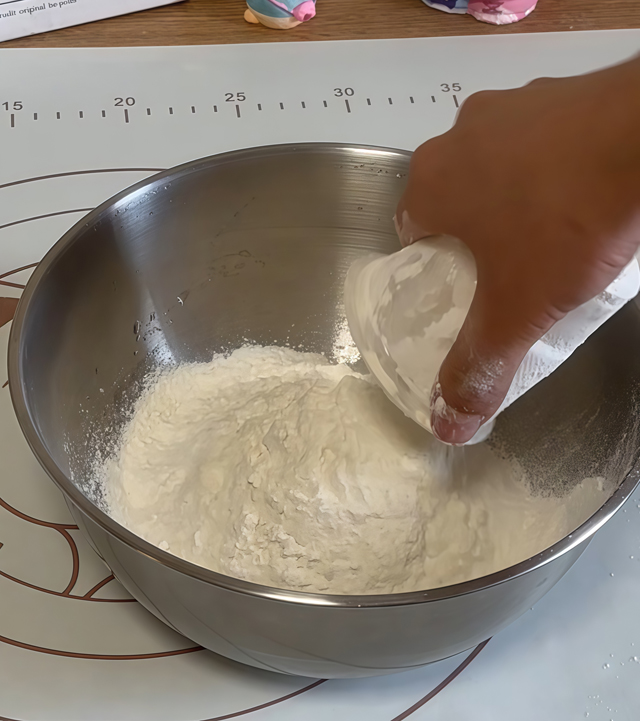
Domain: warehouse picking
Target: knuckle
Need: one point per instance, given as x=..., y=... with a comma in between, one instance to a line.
x=475, y=389
x=477, y=101
x=479, y=388
x=540, y=81
x=426, y=152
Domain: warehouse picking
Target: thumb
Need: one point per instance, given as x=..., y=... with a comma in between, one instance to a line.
x=477, y=373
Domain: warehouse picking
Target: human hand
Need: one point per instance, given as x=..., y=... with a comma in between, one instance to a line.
x=543, y=185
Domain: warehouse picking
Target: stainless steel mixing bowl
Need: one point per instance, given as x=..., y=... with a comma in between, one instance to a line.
x=255, y=245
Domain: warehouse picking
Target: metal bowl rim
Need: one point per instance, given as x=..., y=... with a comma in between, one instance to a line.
x=16, y=383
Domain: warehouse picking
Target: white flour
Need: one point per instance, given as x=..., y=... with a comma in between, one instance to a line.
x=275, y=467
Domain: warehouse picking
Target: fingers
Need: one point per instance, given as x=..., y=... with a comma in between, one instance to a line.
x=407, y=229
x=416, y=214
x=477, y=373
x=409, y=219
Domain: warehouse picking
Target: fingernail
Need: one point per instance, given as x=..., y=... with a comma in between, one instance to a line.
x=402, y=237
x=408, y=231
x=451, y=426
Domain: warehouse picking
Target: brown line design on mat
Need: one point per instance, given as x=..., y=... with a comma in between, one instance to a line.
x=18, y=270
x=88, y=596
x=7, y=309
x=98, y=656
x=8, y=305
x=80, y=172
x=236, y=714
x=36, y=521
x=75, y=556
x=46, y=215
x=63, y=529
x=75, y=597
x=262, y=706
x=454, y=674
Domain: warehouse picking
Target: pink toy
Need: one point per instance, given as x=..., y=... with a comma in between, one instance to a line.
x=497, y=12
x=280, y=14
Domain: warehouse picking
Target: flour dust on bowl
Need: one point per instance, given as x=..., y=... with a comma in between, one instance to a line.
x=253, y=247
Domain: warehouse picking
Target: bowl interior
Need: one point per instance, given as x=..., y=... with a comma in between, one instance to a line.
x=254, y=247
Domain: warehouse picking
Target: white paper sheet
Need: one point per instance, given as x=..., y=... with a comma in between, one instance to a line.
x=30, y=17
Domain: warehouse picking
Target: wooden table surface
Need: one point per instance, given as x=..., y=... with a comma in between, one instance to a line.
x=197, y=22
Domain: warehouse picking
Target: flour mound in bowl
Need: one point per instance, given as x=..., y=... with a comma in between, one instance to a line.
x=276, y=467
